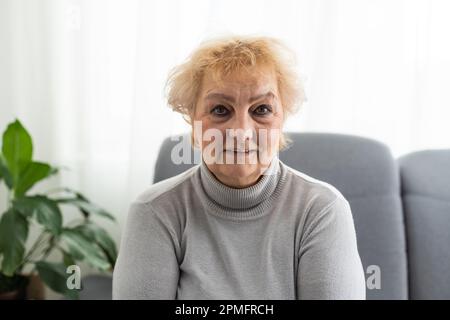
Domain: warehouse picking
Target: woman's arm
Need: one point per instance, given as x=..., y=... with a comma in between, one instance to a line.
x=147, y=266
x=329, y=263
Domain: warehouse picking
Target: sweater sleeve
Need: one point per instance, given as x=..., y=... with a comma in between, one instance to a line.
x=147, y=265
x=329, y=262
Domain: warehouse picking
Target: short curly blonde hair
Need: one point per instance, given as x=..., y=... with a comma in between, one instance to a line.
x=227, y=55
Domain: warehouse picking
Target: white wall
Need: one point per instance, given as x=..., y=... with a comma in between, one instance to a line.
x=86, y=77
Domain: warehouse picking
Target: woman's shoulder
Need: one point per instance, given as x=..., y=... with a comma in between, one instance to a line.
x=323, y=204
x=312, y=189
x=166, y=186
x=161, y=202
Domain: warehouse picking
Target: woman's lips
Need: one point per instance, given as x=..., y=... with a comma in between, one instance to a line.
x=239, y=151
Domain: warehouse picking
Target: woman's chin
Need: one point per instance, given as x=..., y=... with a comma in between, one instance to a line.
x=238, y=171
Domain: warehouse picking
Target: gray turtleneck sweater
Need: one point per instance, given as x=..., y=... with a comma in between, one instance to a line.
x=289, y=236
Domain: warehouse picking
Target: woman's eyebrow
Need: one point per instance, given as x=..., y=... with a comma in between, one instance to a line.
x=223, y=96
x=219, y=95
x=269, y=94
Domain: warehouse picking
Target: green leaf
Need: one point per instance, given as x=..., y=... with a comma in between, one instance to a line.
x=17, y=149
x=4, y=172
x=68, y=259
x=13, y=235
x=86, y=207
x=101, y=238
x=46, y=211
x=53, y=171
x=33, y=172
x=78, y=243
x=54, y=275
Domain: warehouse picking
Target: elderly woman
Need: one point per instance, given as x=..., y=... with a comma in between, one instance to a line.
x=241, y=224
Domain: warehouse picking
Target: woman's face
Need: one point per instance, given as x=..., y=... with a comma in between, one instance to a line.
x=241, y=118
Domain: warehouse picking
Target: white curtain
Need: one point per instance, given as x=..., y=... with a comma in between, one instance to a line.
x=86, y=77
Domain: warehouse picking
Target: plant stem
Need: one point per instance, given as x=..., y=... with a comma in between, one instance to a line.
x=46, y=253
x=36, y=244
x=49, y=249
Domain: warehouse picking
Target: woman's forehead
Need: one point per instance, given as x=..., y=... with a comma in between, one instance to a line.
x=249, y=80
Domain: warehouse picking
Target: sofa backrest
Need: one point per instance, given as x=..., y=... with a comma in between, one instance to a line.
x=367, y=175
x=426, y=201
x=172, y=149
x=364, y=171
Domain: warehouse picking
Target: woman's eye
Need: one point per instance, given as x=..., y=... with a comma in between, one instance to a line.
x=263, y=110
x=219, y=110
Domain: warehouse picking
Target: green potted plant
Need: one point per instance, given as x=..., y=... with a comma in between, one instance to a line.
x=79, y=240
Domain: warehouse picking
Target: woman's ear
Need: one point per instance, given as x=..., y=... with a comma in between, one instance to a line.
x=196, y=132
x=194, y=140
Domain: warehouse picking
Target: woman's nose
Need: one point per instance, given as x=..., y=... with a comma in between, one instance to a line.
x=241, y=128
x=242, y=120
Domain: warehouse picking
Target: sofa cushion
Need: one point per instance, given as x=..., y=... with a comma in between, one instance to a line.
x=425, y=179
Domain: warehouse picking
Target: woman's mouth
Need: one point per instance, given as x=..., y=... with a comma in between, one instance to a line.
x=240, y=151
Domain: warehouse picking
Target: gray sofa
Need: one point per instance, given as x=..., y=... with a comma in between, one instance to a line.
x=401, y=208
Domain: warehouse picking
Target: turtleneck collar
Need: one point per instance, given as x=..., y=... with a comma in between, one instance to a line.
x=244, y=202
